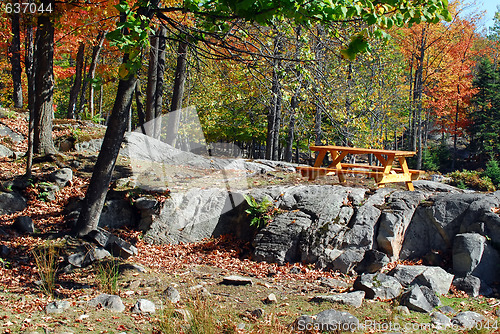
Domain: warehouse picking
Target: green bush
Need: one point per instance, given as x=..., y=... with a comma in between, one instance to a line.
x=467, y=179
x=260, y=213
x=493, y=171
x=436, y=158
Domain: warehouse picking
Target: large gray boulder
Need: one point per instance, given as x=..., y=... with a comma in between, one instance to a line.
x=279, y=241
x=394, y=221
x=416, y=300
x=117, y=213
x=378, y=286
x=362, y=227
x=474, y=255
x=11, y=202
x=435, y=224
x=189, y=216
x=5, y=152
x=435, y=278
x=14, y=136
x=335, y=321
x=61, y=177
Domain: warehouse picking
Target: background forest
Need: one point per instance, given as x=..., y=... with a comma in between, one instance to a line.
x=275, y=89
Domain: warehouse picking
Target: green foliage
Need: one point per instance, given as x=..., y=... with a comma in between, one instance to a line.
x=466, y=179
x=4, y=263
x=260, y=213
x=46, y=258
x=107, y=273
x=436, y=158
x=486, y=114
x=130, y=36
x=493, y=171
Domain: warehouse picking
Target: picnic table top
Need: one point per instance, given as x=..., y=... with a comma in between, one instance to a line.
x=359, y=150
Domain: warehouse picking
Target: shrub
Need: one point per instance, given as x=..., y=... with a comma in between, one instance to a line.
x=260, y=213
x=436, y=158
x=493, y=171
x=466, y=179
x=46, y=258
x=107, y=275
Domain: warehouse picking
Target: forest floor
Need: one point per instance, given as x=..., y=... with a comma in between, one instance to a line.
x=193, y=269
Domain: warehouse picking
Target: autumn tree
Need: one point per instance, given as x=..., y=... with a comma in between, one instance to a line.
x=215, y=19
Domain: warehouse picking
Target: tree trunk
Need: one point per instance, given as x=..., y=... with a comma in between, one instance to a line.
x=44, y=84
x=103, y=169
x=274, y=115
x=178, y=93
x=139, y=104
x=160, y=80
x=417, y=97
x=29, y=63
x=319, y=55
x=96, y=50
x=15, y=49
x=152, y=78
x=77, y=84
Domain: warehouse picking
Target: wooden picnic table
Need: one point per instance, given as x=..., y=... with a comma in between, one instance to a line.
x=386, y=173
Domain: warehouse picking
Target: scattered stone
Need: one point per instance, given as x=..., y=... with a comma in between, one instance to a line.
x=405, y=274
x=497, y=312
x=78, y=260
x=236, y=280
x=5, y=152
x=133, y=266
x=98, y=253
x=415, y=300
x=111, y=302
x=431, y=296
x=271, y=299
x=440, y=320
x=11, y=202
x=467, y=319
x=378, y=286
x=472, y=285
x=402, y=310
x=257, y=313
x=241, y=326
x=58, y=306
x=14, y=136
x=4, y=251
x=145, y=203
x=295, y=270
x=333, y=283
x=144, y=306
x=24, y=224
x=350, y=298
x=62, y=176
x=447, y=309
x=333, y=320
x=373, y=261
x=172, y=294
x=435, y=278
x=116, y=245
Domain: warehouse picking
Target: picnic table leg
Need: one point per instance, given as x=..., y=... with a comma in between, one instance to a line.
x=406, y=171
x=319, y=158
x=337, y=158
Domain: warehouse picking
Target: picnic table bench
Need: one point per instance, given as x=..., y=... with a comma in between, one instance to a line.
x=386, y=173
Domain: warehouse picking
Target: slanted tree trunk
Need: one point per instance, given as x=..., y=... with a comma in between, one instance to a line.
x=15, y=49
x=77, y=84
x=29, y=64
x=178, y=93
x=103, y=169
x=44, y=83
x=106, y=160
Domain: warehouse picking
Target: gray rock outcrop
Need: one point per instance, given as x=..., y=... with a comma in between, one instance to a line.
x=11, y=202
